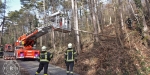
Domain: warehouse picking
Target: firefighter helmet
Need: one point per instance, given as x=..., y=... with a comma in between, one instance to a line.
x=44, y=48
x=70, y=45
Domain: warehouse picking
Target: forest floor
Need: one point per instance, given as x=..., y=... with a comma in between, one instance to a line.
x=110, y=56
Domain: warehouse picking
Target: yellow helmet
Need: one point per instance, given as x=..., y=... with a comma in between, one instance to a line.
x=44, y=48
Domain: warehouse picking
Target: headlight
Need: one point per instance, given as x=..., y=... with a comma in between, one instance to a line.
x=36, y=54
x=21, y=54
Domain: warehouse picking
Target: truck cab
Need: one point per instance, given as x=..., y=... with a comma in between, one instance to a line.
x=21, y=52
x=8, y=48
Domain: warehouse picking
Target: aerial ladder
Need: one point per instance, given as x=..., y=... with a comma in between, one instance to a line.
x=24, y=46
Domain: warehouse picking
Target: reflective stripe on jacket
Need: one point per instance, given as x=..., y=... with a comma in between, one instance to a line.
x=70, y=55
x=45, y=57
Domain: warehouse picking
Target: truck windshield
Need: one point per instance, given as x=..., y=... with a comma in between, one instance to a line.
x=9, y=47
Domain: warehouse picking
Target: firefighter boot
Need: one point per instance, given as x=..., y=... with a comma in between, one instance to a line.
x=71, y=73
x=67, y=73
x=36, y=73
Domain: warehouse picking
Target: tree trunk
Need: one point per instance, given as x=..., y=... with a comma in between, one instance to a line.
x=110, y=20
x=74, y=9
x=148, y=7
x=120, y=17
x=53, y=38
x=94, y=21
x=101, y=20
x=99, y=29
x=97, y=17
x=120, y=37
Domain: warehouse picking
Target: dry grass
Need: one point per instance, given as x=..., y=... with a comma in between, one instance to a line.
x=108, y=58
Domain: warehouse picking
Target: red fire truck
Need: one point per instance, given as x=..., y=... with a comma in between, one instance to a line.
x=24, y=45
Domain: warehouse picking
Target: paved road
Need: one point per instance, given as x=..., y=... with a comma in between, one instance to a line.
x=8, y=66
x=1, y=65
x=32, y=66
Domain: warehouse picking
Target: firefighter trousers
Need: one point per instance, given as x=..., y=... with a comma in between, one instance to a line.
x=70, y=66
x=41, y=66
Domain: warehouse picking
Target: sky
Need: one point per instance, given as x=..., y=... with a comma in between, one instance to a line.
x=12, y=5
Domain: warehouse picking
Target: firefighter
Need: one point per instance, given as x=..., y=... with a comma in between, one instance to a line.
x=1, y=51
x=44, y=59
x=70, y=57
x=129, y=23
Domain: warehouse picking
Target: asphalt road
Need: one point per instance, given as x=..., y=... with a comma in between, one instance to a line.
x=31, y=66
x=1, y=65
x=11, y=66
x=8, y=67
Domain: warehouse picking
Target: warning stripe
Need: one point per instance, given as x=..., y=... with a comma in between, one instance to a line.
x=9, y=57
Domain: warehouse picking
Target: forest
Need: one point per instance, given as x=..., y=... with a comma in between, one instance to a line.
x=100, y=34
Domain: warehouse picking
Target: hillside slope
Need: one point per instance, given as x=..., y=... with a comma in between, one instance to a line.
x=109, y=58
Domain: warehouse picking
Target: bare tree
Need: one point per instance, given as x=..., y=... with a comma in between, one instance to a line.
x=93, y=8
x=148, y=7
x=74, y=9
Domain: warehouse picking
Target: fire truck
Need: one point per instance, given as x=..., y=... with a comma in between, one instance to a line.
x=8, y=48
x=24, y=46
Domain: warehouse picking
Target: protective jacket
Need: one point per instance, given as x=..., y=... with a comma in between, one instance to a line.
x=45, y=57
x=70, y=55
